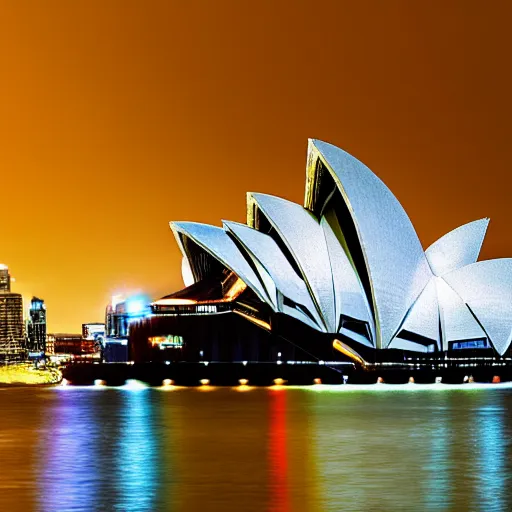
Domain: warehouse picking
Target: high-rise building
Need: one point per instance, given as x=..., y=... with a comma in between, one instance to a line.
x=5, y=279
x=11, y=319
x=36, y=326
x=50, y=344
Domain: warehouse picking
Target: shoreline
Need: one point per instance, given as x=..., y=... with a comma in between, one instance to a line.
x=24, y=374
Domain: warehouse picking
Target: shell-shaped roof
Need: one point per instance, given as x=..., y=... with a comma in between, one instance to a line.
x=349, y=295
x=215, y=241
x=457, y=248
x=423, y=317
x=303, y=236
x=486, y=287
x=350, y=263
x=266, y=251
x=396, y=264
x=457, y=322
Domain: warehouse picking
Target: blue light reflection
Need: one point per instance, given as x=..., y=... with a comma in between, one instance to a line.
x=138, y=455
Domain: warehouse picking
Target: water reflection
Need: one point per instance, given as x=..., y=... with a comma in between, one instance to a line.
x=291, y=450
x=278, y=461
x=438, y=467
x=220, y=449
x=68, y=465
x=98, y=451
x=402, y=452
x=137, y=458
x=494, y=477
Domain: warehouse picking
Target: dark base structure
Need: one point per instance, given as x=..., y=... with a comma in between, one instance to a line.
x=267, y=374
x=228, y=348
x=228, y=337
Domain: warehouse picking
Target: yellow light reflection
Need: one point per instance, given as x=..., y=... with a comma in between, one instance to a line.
x=243, y=388
x=238, y=287
x=349, y=352
x=173, y=302
x=256, y=321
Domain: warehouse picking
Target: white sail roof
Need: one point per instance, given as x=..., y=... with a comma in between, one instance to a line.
x=457, y=322
x=457, y=248
x=423, y=317
x=216, y=242
x=304, y=238
x=358, y=256
x=349, y=296
x=486, y=287
x=396, y=264
x=265, y=250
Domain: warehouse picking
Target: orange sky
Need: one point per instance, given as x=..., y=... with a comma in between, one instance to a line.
x=117, y=117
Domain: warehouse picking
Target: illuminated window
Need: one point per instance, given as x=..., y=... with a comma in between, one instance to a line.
x=168, y=341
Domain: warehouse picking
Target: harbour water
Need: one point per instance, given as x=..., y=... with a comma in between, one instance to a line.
x=318, y=448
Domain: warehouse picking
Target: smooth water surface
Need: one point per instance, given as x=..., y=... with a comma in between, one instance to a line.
x=290, y=450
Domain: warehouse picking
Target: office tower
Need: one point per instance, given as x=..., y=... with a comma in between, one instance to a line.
x=5, y=279
x=11, y=320
x=36, y=326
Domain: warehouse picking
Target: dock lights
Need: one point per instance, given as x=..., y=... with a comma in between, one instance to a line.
x=279, y=382
x=204, y=382
x=317, y=381
x=100, y=382
x=167, y=382
x=243, y=382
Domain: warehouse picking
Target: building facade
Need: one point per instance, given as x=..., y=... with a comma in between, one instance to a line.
x=75, y=344
x=11, y=320
x=5, y=279
x=36, y=326
x=343, y=274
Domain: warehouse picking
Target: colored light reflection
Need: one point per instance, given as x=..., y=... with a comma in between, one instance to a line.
x=138, y=454
x=438, y=469
x=492, y=444
x=69, y=465
x=278, y=464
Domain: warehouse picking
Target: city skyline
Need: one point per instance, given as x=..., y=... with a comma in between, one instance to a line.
x=111, y=127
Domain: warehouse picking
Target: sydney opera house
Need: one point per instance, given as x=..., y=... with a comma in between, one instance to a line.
x=343, y=275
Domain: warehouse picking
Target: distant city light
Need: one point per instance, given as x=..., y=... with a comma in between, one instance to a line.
x=135, y=306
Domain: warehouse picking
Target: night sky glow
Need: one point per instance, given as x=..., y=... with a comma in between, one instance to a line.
x=117, y=117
